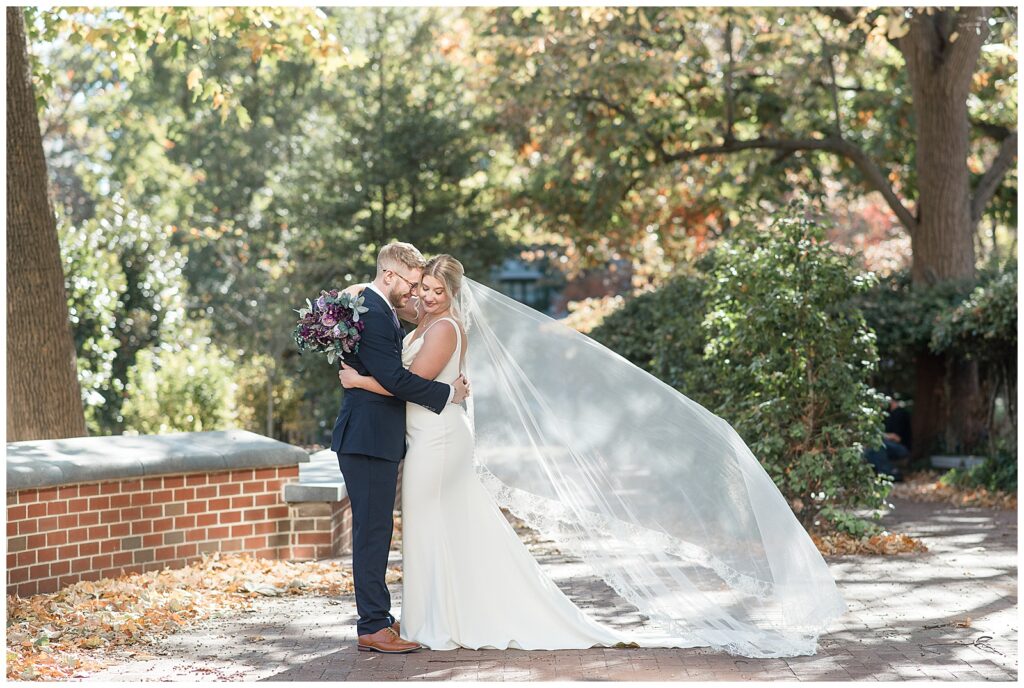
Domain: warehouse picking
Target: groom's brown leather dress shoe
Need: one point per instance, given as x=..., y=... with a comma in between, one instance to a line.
x=387, y=641
x=397, y=627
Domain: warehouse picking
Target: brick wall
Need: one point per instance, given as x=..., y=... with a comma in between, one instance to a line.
x=61, y=535
x=320, y=529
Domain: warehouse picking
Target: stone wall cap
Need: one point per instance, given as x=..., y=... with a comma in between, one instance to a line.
x=320, y=480
x=315, y=492
x=45, y=463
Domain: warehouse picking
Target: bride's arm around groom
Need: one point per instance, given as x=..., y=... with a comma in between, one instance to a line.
x=383, y=362
x=438, y=346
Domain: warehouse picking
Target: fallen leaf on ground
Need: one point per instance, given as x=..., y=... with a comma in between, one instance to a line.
x=924, y=486
x=884, y=543
x=261, y=588
x=75, y=630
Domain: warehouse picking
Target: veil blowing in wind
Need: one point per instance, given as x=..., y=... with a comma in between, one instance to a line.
x=660, y=497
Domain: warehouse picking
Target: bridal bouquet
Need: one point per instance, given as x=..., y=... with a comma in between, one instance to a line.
x=330, y=325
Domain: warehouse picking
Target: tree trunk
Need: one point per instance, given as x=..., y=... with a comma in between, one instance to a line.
x=941, y=51
x=929, y=402
x=44, y=399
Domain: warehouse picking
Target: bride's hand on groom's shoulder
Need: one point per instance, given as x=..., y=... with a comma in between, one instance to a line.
x=354, y=290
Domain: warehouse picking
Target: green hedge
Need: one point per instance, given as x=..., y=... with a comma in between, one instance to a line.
x=186, y=390
x=791, y=362
x=763, y=333
x=974, y=320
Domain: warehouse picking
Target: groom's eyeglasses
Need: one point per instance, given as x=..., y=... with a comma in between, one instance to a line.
x=412, y=285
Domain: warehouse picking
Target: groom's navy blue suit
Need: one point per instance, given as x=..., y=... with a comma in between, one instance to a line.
x=369, y=437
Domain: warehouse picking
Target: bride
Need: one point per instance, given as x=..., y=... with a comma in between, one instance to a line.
x=660, y=497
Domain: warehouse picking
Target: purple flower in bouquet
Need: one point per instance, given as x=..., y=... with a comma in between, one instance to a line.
x=330, y=325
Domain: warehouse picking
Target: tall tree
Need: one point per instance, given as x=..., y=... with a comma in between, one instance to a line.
x=391, y=150
x=44, y=399
x=633, y=121
x=941, y=50
x=158, y=72
x=334, y=155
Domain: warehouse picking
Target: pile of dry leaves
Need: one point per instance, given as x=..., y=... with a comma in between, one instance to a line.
x=883, y=543
x=64, y=634
x=925, y=487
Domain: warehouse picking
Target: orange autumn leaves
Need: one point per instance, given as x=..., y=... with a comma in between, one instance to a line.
x=66, y=634
x=925, y=487
x=884, y=543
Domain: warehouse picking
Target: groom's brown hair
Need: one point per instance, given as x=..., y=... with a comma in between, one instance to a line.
x=399, y=253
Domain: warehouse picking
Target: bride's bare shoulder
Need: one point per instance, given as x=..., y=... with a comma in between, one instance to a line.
x=454, y=324
x=442, y=327
x=437, y=338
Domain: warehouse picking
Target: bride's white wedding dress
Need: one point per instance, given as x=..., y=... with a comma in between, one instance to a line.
x=468, y=581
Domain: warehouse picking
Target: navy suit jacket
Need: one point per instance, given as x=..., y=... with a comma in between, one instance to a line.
x=369, y=423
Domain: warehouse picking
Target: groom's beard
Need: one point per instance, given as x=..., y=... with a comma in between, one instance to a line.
x=395, y=297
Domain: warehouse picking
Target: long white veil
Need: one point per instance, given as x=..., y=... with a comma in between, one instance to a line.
x=659, y=496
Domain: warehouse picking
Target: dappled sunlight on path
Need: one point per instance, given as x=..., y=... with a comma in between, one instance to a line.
x=948, y=614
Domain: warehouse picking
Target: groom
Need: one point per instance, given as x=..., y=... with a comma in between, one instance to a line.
x=369, y=437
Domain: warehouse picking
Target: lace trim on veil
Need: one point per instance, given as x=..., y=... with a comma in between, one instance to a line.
x=557, y=523
x=552, y=518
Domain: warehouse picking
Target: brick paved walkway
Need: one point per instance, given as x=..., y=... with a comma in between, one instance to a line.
x=950, y=614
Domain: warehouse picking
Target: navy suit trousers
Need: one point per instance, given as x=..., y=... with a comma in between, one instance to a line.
x=371, y=484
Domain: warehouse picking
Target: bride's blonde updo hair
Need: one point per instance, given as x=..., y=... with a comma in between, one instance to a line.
x=448, y=271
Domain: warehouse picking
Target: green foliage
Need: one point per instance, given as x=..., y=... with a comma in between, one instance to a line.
x=277, y=149
x=94, y=284
x=129, y=37
x=984, y=325
x=395, y=151
x=607, y=104
x=998, y=473
x=188, y=389
x=903, y=319
x=660, y=332
x=975, y=321
x=124, y=288
x=292, y=418
x=791, y=361
x=848, y=522
x=764, y=333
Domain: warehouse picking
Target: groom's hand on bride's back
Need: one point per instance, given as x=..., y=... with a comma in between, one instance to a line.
x=461, y=389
